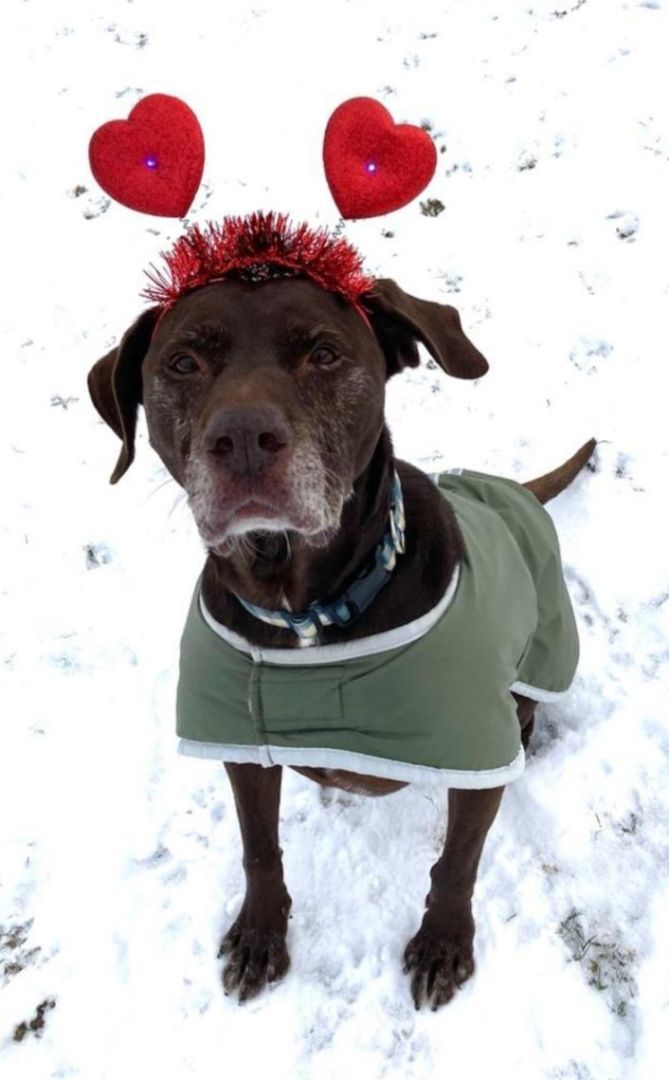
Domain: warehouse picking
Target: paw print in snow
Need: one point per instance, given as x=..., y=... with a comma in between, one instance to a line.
x=627, y=224
x=586, y=351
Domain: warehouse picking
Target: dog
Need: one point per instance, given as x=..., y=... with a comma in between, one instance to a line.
x=265, y=402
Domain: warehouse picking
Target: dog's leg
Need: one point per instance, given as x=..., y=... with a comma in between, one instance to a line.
x=525, y=711
x=256, y=941
x=441, y=955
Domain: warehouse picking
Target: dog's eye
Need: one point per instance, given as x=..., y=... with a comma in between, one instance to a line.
x=184, y=365
x=324, y=356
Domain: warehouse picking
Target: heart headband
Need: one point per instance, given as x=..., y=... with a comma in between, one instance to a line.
x=153, y=162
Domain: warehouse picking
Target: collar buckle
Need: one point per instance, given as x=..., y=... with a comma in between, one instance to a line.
x=344, y=611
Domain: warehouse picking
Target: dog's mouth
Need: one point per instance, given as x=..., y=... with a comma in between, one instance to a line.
x=253, y=513
x=221, y=512
x=254, y=507
x=294, y=499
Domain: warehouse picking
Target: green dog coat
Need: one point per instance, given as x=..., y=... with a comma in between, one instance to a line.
x=428, y=700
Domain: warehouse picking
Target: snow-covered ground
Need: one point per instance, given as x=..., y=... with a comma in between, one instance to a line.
x=120, y=862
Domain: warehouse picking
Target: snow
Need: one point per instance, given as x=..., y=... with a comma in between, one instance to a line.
x=120, y=862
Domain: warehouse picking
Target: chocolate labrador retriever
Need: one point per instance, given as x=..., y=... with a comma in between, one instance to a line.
x=266, y=404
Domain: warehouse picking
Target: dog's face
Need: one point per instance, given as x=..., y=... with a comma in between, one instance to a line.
x=265, y=401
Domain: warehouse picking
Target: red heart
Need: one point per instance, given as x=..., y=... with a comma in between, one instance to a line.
x=152, y=161
x=373, y=165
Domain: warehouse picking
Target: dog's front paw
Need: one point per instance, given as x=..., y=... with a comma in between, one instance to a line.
x=256, y=952
x=440, y=957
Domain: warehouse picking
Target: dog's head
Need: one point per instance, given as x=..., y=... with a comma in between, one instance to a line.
x=265, y=401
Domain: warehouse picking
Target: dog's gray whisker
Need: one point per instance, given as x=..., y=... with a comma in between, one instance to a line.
x=180, y=501
x=159, y=487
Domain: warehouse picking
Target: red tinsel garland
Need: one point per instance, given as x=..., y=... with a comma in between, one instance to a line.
x=257, y=248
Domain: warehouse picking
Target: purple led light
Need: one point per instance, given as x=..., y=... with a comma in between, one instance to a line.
x=371, y=167
x=151, y=162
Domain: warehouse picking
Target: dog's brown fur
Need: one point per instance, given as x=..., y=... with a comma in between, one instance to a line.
x=245, y=414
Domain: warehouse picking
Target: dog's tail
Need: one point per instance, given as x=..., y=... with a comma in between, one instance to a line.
x=551, y=484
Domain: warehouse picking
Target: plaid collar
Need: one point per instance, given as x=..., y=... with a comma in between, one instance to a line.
x=350, y=605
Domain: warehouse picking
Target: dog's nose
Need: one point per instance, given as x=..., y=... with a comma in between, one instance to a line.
x=247, y=439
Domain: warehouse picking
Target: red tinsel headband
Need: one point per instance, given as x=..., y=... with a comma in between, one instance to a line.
x=258, y=248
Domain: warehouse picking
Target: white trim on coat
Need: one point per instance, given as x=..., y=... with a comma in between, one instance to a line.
x=367, y=764
x=345, y=650
x=536, y=693
x=434, y=476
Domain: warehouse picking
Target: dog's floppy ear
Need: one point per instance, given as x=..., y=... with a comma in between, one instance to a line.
x=399, y=320
x=115, y=385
